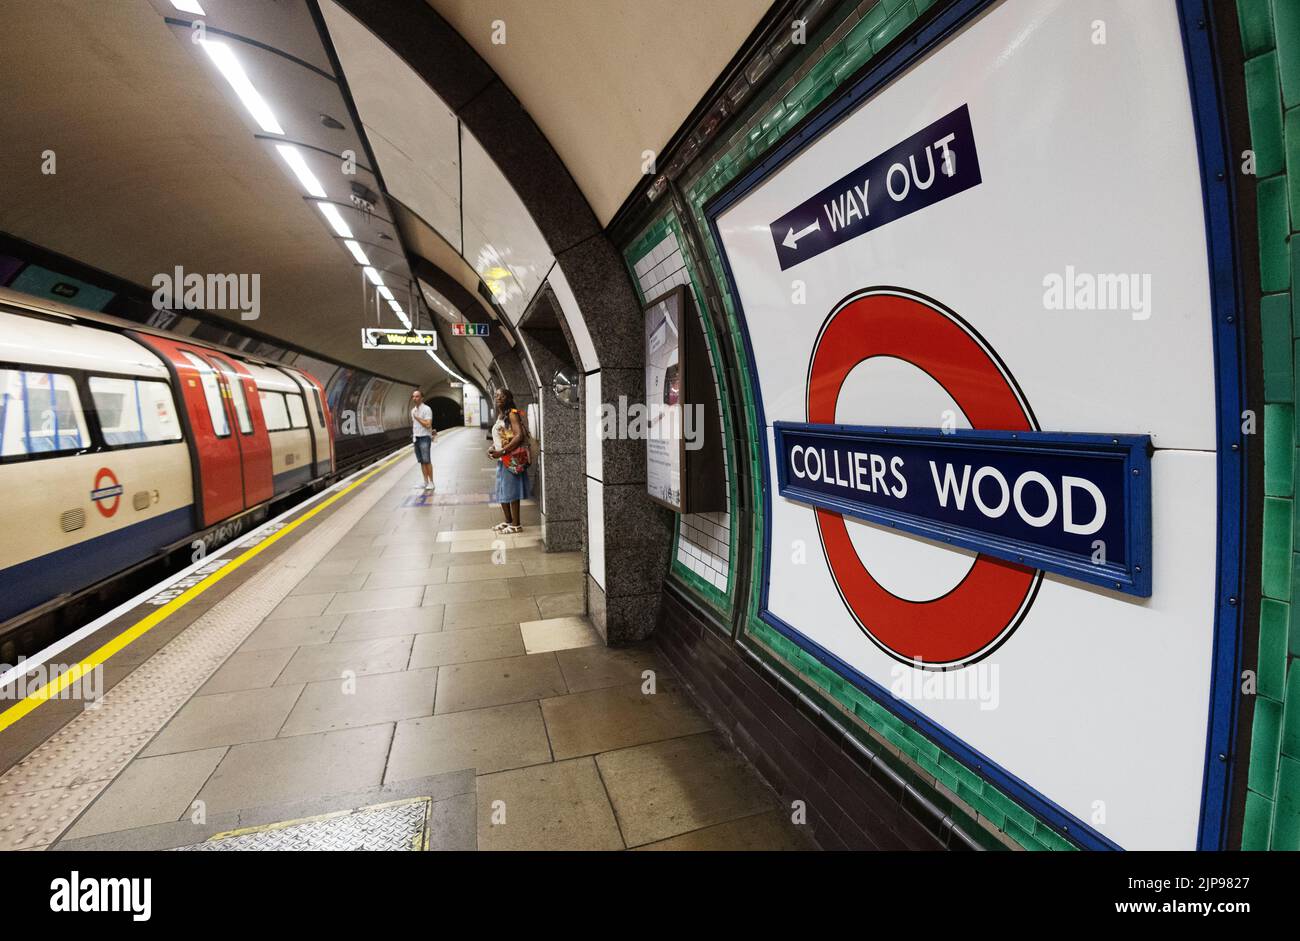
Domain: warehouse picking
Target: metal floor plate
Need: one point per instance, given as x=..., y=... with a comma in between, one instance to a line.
x=397, y=826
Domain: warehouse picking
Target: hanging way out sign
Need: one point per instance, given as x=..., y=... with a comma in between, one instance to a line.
x=934, y=163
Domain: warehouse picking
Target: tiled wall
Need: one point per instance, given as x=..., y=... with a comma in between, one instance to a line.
x=702, y=553
x=1270, y=34
x=852, y=43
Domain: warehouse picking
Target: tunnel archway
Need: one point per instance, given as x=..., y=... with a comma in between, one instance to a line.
x=446, y=412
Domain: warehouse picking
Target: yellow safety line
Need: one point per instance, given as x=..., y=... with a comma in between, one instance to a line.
x=142, y=627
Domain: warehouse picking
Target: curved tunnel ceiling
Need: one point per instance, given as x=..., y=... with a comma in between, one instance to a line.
x=158, y=164
x=606, y=86
x=161, y=164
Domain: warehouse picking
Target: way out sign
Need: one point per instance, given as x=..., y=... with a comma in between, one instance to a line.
x=936, y=162
x=1077, y=505
x=375, y=338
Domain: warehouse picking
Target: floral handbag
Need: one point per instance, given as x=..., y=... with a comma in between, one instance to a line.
x=517, y=461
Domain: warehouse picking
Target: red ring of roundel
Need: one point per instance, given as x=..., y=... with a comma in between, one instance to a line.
x=979, y=614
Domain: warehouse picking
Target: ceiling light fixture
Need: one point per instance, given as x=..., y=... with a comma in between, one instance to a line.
x=293, y=157
x=386, y=294
x=433, y=356
x=357, y=252
x=224, y=58
x=331, y=212
x=374, y=276
x=189, y=6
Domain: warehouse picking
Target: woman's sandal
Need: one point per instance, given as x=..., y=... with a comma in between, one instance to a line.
x=500, y=527
x=511, y=530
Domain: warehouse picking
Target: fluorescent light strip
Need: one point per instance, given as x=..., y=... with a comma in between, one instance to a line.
x=293, y=157
x=374, y=276
x=189, y=6
x=224, y=58
x=357, y=253
x=433, y=356
x=331, y=212
x=386, y=294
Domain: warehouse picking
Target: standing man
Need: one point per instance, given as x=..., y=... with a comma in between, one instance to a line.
x=422, y=435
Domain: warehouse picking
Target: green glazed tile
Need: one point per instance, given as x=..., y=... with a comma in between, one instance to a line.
x=1271, y=669
x=1265, y=736
x=1009, y=808
x=898, y=21
x=1295, y=281
x=1050, y=838
x=1290, y=738
x=1023, y=836
x=1279, y=449
x=982, y=806
x=860, y=35
x=1276, y=567
x=1292, y=123
x=1257, y=823
x=1274, y=223
x=1256, y=18
x=1286, y=33
x=1295, y=584
x=856, y=58
x=1264, y=106
x=1279, y=355
x=1286, y=810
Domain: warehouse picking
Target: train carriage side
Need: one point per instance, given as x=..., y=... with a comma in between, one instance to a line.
x=231, y=445
x=318, y=416
x=285, y=411
x=95, y=471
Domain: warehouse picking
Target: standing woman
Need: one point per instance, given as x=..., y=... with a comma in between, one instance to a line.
x=510, y=450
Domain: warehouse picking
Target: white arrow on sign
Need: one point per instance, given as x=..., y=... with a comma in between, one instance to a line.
x=792, y=237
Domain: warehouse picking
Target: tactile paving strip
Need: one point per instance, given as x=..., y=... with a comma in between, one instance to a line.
x=45, y=792
x=402, y=825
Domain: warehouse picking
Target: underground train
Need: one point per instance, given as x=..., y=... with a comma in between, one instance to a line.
x=119, y=442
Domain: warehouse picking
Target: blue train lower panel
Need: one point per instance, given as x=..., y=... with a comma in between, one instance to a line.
x=292, y=479
x=34, y=582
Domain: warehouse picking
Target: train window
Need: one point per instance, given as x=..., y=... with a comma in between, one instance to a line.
x=274, y=410
x=297, y=413
x=320, y=411
x=236, y=384
x=212, y=393
x=134, y=411
x=40, y=413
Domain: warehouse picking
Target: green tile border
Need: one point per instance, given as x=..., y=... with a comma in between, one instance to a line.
x=918, y=758
x=1272, y=73
x=1270, y=37
x=654, y=233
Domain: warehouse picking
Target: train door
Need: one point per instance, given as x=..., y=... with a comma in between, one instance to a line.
x=215, y=451
x=245, y=412
x=318, y=419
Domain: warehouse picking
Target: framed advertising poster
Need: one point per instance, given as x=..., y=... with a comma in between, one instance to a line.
x=663, y=389
x=680, y=421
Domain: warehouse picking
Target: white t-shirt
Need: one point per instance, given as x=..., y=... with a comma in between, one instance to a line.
x=418, y=430
x=499, y=434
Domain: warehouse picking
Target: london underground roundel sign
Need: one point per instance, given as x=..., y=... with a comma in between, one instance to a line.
x=978, y=614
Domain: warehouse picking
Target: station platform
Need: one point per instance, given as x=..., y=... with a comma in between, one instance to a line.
x=377, y=670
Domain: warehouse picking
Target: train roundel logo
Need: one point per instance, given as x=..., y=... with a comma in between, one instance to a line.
x=107, y=492
x=976, y=616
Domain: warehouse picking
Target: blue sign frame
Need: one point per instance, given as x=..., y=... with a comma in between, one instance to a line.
x=1219, y=194
x=1125, y=566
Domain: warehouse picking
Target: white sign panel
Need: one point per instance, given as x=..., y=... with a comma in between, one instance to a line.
x=663, y=386
x=1009, y=234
